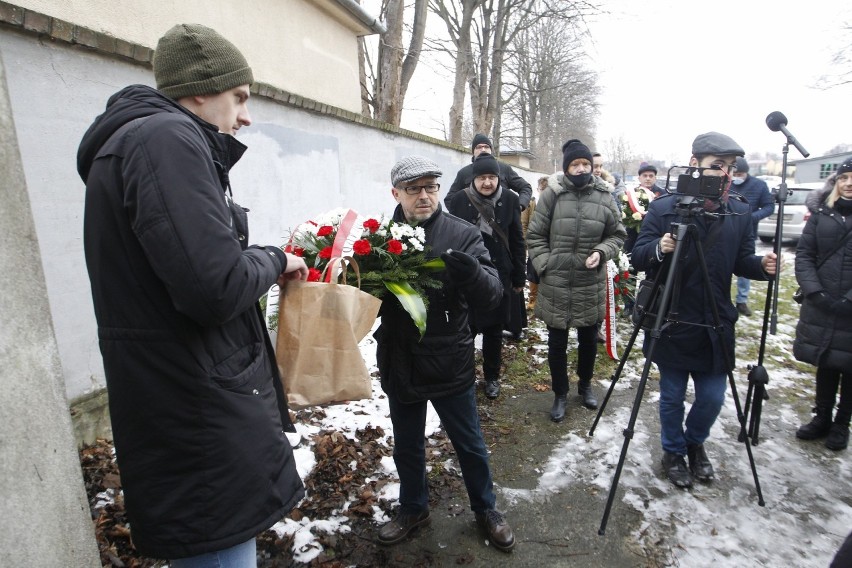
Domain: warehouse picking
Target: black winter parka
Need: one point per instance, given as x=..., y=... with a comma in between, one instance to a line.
x=196, y=404
x=824, y=337
x=441, y=363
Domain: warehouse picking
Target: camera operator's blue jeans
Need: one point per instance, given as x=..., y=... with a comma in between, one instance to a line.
x=460, y=420
x=240, y=556
x=743, y=286
x=709, y=397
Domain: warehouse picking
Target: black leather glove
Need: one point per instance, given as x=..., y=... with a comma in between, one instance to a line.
x=821, y=301
x=842, y=307
x=460, y=266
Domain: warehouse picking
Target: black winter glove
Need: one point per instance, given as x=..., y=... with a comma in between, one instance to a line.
x=821, y=301
x=842, y=307
x=461, y=267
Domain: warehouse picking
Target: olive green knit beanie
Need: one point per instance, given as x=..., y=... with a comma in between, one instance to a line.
x=192, y=59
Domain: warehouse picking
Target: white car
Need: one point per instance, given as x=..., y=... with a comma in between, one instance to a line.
x=796, y=213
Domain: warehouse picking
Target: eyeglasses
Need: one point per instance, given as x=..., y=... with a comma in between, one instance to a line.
x=416, y=189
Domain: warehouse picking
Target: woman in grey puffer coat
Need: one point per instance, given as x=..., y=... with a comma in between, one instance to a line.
x=824, y=331
x=575, y=229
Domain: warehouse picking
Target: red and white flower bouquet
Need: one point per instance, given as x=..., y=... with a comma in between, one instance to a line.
x=390, y=256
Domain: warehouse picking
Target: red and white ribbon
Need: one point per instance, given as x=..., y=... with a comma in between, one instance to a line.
x=609, y=317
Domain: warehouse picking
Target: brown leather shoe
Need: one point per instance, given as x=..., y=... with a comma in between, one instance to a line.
x=400, y=526
x=497, y=530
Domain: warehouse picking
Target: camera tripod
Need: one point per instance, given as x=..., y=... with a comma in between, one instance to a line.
x=663, y=297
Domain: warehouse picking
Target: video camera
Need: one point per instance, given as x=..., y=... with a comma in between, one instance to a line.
x=694, y=182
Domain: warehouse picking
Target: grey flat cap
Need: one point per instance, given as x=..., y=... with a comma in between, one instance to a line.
x=413, y=167
x=716, y=144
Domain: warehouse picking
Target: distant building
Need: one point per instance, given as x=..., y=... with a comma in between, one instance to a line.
x=817, y=169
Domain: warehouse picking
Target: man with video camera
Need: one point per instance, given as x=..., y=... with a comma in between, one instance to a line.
x=688, y=344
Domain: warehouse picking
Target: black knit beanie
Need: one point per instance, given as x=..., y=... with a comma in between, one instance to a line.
x=481, y=139
x=192, y=59
x=572, y=150
x=845, y=167
x=485, y=164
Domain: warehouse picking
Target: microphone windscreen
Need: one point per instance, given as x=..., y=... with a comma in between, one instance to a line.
x=776, y=120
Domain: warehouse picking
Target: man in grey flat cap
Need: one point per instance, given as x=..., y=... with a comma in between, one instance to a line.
x=439, y=367
x=690, y=346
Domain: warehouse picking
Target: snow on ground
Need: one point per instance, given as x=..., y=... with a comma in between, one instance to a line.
x=806, y=488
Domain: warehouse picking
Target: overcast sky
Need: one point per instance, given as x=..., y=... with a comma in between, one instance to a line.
x=671, y=69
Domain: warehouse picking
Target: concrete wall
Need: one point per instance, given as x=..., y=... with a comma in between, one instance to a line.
x=291, y=44
x=45, y=519
x=304, y=158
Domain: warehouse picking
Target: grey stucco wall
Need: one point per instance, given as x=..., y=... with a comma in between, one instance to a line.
x=299, y=163
x=45, y=520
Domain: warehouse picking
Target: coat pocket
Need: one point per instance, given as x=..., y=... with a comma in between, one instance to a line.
x=237, y=370
x=441, y=362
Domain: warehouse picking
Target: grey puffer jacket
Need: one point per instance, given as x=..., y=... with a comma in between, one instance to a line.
x=823, y=337
x=568, y=224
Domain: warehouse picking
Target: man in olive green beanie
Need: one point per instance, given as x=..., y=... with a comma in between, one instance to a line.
x=197, y=409
x=192, y=59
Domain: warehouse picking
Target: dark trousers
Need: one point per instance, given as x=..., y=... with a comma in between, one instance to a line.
x=557, y=355
x=460, y=420
x=827, y=381
x=492, y=350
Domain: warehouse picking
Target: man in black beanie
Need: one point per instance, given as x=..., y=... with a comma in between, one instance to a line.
x=509, y=178
x=496, y=213
x=196, y=404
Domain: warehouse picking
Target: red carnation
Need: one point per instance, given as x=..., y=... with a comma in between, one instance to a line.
x=371, y=225
x=362, y=247
x=325, y=231
x=616, y=278
x=325, y=253
x=626, y=274
x=314, y=275
x=394, y=246
x=617, y=291
x=624, y=290
x=298, y=251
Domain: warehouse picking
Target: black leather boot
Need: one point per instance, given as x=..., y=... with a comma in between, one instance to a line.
x=492, y=388
x=560, y=402
x=586, y=394
x=818, y=427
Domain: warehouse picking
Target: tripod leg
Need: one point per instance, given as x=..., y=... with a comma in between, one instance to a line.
x=728, y=364
x=628, y=435
x=617, y=374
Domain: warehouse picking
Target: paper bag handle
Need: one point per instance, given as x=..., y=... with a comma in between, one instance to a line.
x=343, y=260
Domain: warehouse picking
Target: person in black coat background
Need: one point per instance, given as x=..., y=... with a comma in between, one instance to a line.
x=496, y=213
x=196, y=403
x=509, y=178
x=824, y=331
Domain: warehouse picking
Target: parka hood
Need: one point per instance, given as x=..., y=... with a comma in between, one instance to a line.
x=139, y=101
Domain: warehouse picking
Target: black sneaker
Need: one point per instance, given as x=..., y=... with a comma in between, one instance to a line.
x=492, y=389
x=674, y=466
x=401, y=526
x=497, y=530
x=699, y=463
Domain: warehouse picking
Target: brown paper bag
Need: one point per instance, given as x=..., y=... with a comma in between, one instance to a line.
x=319, y=327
